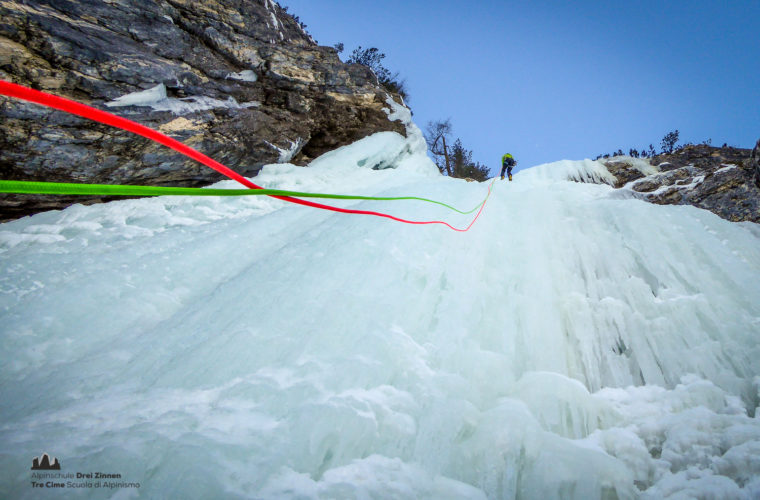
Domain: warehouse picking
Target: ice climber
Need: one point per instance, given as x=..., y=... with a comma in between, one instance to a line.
x=507, y=162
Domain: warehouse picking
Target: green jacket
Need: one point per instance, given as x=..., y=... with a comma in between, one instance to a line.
x=508, y=161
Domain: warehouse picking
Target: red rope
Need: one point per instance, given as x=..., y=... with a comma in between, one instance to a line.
x=79, y=109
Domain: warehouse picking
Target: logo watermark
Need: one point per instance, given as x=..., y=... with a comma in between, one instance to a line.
x=53, y=477
x=43, y=463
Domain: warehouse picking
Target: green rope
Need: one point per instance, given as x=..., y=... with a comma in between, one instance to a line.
x=65, y=188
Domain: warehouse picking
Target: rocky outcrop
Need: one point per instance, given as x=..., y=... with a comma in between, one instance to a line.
x=240, y=80
x=755, y=162
x=722, y=180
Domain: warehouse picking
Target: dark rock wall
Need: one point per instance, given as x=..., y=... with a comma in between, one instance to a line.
x=755, y=162
x=244, y=84
x=722, y=180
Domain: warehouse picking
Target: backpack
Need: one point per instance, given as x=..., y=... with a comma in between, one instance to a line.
x=508, y=161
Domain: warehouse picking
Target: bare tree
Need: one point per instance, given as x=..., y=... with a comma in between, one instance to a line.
x=436, y=134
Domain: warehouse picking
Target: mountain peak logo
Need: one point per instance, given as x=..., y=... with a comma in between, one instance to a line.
x=43, y=463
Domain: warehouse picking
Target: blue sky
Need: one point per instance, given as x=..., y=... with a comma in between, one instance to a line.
x=552, y=80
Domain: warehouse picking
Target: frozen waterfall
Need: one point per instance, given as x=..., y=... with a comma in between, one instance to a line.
x=573, y=344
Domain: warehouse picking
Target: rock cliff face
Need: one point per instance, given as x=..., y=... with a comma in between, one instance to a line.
x=240, y=80
x=725, y=181
x=755, y=162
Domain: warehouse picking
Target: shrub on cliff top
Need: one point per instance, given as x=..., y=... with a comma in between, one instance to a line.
x=372, y=58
